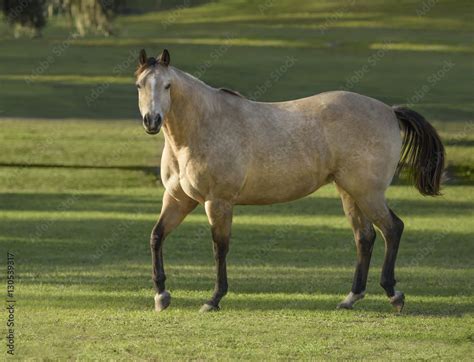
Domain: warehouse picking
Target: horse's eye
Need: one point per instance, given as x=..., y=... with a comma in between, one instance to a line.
x=168, y=86
x=138, y=86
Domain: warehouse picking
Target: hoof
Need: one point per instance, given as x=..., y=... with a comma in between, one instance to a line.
x=398, y=301
x=350, y=300
x=162, y=301
x=208, y=308
x=345, y=305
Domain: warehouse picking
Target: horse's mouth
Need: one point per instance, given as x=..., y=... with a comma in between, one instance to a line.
x=152, y=131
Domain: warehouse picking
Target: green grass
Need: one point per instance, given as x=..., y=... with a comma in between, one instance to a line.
x=79, y=193
x=78, y=219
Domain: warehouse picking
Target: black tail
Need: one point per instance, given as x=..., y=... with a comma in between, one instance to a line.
x=422, y=151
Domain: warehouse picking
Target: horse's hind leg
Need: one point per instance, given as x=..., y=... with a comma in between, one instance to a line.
x=374, y=206
x=392, y=237
x=364, y=235
x=172, y=214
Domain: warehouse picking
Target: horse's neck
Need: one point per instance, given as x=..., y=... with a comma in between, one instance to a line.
x=192, y=101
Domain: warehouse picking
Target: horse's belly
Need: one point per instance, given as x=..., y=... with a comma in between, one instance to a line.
x=280, y=188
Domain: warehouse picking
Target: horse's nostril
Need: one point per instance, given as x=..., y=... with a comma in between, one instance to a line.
x=146, y=120
x=152, y=121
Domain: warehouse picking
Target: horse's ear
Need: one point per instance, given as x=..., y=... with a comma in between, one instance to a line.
x=142, y=57
x=164, y=58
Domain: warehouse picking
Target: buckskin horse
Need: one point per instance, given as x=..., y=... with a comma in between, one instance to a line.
x=222, y=150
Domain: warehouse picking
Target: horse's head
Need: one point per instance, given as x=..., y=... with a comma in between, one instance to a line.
x=153, y=84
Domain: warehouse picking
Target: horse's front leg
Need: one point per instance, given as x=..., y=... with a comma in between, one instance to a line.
x=219, y=213
x=172, y=214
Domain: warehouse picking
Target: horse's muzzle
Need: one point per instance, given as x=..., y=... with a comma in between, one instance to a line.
x=152, y=124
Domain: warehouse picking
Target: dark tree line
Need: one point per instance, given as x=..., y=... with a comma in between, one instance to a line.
x=27, y=14
x=88, y=16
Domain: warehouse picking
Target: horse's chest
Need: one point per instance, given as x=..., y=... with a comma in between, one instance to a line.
x=184, y=175
x=193, y=188
x=201, y=179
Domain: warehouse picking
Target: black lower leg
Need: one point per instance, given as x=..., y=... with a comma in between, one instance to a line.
x=158, y=272
x=365, y=244
x=221, y=247
x=392, y=242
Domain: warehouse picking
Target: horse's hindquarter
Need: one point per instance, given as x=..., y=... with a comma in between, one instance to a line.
x=363, y=137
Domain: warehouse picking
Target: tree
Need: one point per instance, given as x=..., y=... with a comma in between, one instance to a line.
x=90, y=16
x=25, y=16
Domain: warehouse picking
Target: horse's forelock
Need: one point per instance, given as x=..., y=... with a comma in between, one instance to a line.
x=150, y=62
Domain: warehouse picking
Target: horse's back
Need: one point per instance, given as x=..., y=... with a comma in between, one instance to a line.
x=300, y=145
x=263, y=153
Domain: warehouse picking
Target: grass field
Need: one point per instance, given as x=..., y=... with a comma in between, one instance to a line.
x=79, y=193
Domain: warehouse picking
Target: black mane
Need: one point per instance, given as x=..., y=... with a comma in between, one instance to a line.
x=230, y=91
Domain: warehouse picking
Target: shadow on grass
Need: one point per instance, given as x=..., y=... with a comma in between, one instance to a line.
x=86, y=241
x=315, y=205
x=235, y=302
x=107, y=255
x=257, y=279
x=462, y=142
x=146, y=169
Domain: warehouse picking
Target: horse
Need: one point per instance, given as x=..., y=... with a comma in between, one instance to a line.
x=222, y=149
